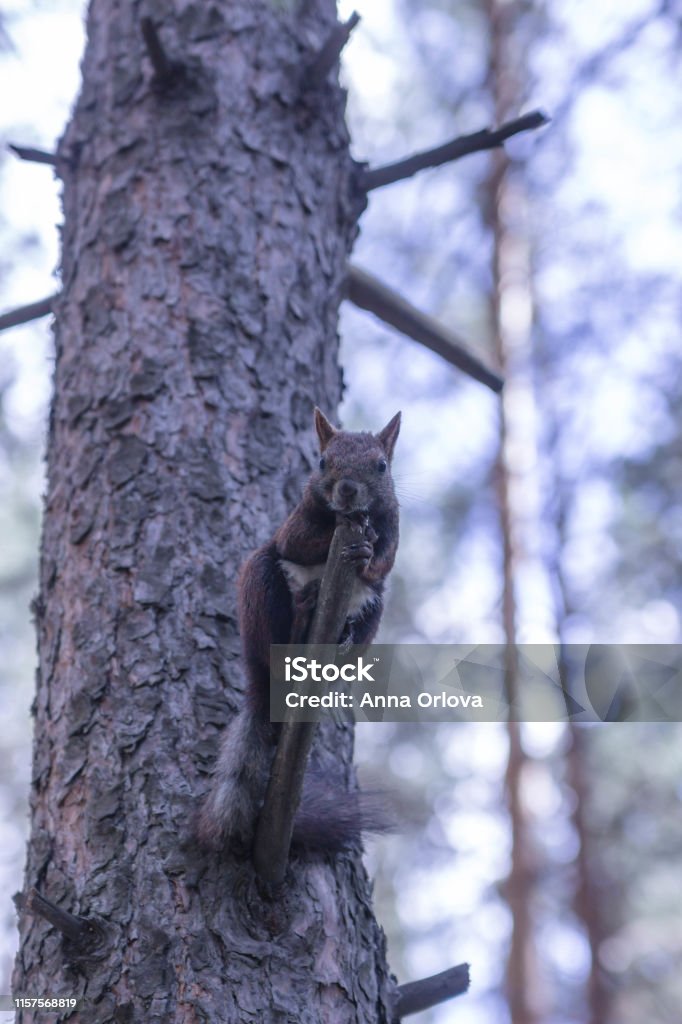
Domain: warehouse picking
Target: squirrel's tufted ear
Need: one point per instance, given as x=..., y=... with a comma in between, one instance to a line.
x=325, y=431
x=389, y=435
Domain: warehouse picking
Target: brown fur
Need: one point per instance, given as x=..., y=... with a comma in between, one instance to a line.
x=354, y=478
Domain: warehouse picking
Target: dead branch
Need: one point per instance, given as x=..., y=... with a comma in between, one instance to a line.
x=329, y=53
x=461, y=146
x=86, y=936
x=166, y=71
x=24, y=314
x=368, y=292
x=420, y=995
x=36, y=156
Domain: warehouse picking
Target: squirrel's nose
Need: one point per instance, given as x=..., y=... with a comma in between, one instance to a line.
x=347, y=489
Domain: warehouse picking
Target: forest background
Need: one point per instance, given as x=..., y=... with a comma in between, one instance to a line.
x=573, y=268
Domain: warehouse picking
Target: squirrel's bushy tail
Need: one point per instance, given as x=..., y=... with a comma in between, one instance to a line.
x=331, y=820
x=228, y=811
x=327, y=819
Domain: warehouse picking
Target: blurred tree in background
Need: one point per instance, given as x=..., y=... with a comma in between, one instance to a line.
x=591, y=405
x=588, y=221
x=23, y=390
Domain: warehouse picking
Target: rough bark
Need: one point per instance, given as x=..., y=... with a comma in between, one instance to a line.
x=207, y=223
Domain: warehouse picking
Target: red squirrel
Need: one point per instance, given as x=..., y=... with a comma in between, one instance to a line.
x=276, y=589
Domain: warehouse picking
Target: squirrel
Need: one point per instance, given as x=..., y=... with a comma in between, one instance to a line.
x=277, y=588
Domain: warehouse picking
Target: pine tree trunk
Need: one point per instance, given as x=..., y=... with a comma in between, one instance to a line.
x=521, y=967
x=207, y=222
x=590, y=895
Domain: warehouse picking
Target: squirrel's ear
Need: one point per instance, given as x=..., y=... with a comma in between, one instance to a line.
x=325, y=431
x=389, y=435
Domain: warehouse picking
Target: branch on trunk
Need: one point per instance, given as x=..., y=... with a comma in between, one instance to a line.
x=36, y=156
x=420, y=995
x=368, y=292
x=85, y=936
x=166, y=71
x=283, y=795
x=329, y=54
x=453, y=150
x=24, y=314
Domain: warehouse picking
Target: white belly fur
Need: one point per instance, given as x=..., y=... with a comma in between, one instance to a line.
x=298, y=575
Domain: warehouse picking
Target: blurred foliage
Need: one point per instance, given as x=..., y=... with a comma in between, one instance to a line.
x=606, y=288
x=20, y=483
x=22, y=416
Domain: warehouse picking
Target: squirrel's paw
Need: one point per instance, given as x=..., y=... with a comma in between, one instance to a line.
x=359, y=553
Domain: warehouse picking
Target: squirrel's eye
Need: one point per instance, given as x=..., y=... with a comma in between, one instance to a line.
x=382, y=465
x=323, y=463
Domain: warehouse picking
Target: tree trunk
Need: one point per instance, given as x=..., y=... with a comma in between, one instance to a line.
x=509, y=340
x=208, y=215
x=588, y=898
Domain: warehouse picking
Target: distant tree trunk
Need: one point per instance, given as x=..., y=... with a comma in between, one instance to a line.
x=587, y=899
x=588, y=895
x=519, y=884
x=521, y=980
x=207, y=221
